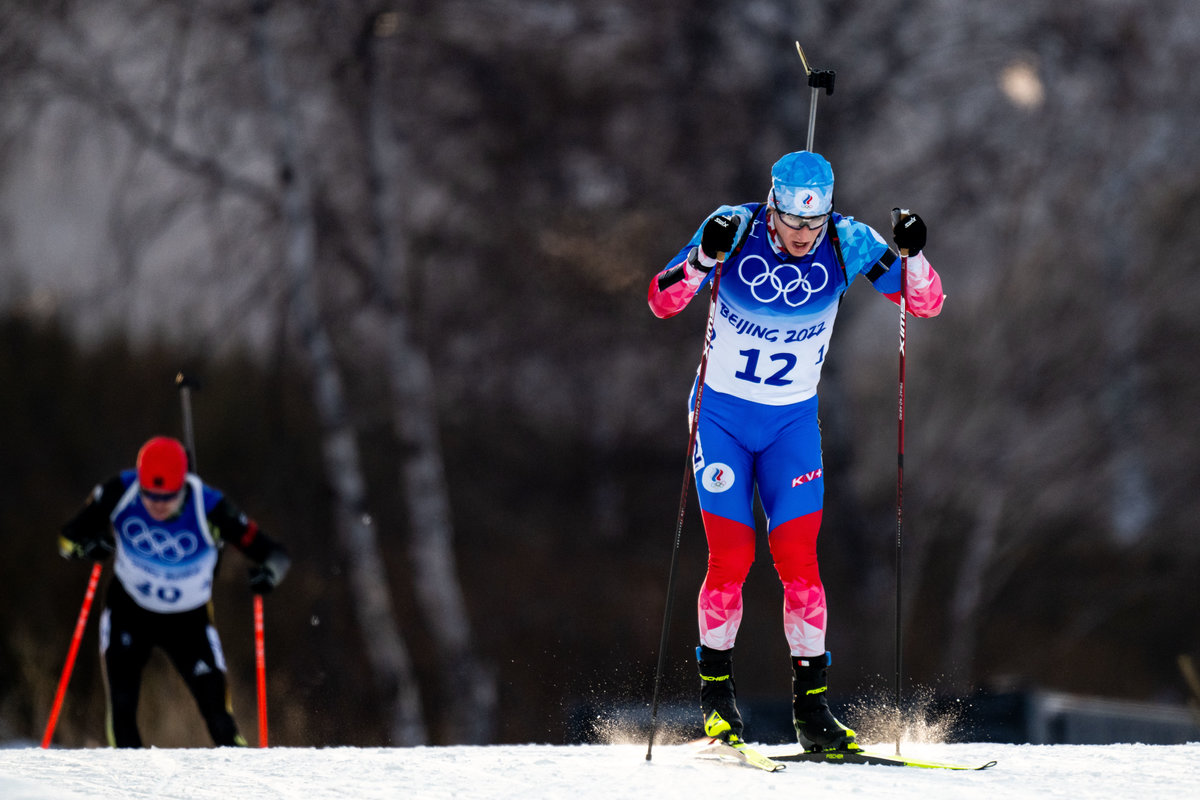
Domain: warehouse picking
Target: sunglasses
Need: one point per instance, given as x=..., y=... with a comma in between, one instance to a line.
x=159, y=497
x=797, y=222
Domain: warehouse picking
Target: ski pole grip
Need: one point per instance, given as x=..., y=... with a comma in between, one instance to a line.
x=898, y=216
x=822, y=79
x=185, y=381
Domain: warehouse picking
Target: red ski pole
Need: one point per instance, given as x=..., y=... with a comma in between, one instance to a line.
x=80, y=624
x=260, y=659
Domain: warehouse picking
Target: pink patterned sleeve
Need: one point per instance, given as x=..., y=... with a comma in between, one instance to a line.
x=673, y=288
x=925, y=296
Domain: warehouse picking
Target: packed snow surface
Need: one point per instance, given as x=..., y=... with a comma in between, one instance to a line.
x=581, y=772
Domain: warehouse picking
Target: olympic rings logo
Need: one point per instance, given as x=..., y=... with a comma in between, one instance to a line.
x=784, y=280
x=160, y=543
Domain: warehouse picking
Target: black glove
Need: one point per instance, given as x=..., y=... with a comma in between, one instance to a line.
x=908, y=231
x=92, y=548
x=717, y=237
x=267, y=575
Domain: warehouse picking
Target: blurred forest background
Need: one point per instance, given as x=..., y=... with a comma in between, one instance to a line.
x=405, y=247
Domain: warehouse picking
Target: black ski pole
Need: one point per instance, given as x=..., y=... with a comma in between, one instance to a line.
x=817, y=79
x=683, y=496
x=186, y=383
x=896, y=217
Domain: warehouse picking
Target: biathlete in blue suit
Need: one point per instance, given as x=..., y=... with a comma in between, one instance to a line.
x=166, y=529
x=785, y=265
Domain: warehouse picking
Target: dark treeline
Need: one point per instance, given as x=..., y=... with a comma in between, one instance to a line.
x=475, y=198
x=568, y=607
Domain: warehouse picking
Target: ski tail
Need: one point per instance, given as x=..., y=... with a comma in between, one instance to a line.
x=738, y=751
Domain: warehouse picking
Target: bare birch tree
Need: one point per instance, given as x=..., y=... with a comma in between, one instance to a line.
x=468, y=690
x=386, y=648
x=155, y=127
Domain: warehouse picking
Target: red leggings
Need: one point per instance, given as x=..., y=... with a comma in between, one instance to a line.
x=731, y=552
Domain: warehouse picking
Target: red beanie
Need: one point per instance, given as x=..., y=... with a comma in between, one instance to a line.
x=162, y=465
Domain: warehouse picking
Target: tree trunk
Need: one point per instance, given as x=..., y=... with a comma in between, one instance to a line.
x=468, y=691
x=386, y=649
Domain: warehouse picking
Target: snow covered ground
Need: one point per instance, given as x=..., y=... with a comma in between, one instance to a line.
x=582, y=772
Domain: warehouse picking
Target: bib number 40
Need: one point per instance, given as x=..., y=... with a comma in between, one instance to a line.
x=162, y=592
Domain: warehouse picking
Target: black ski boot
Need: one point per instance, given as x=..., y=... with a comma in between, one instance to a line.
x=816, y=728
x=722, y=720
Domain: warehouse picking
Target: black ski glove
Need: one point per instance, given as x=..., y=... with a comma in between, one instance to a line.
x=266, y=576
x=717, y=237
x=92, y=548
x=908, y=231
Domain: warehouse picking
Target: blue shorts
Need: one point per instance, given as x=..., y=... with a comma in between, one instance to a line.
x=741, y=445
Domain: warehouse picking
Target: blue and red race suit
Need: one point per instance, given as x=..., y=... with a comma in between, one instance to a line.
x=758, y=426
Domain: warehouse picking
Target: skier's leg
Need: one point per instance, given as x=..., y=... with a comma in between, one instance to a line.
x=124, y=650
x=730, y=554
x=725, y=488
x=792, y=490
x=792, y=486
x=794, y=549
x=195, y=650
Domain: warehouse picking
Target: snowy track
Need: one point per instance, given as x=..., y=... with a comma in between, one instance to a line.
x=587, y=771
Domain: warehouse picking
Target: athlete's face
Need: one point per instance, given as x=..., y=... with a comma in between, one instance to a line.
x=797, y=241
x=162, y=507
